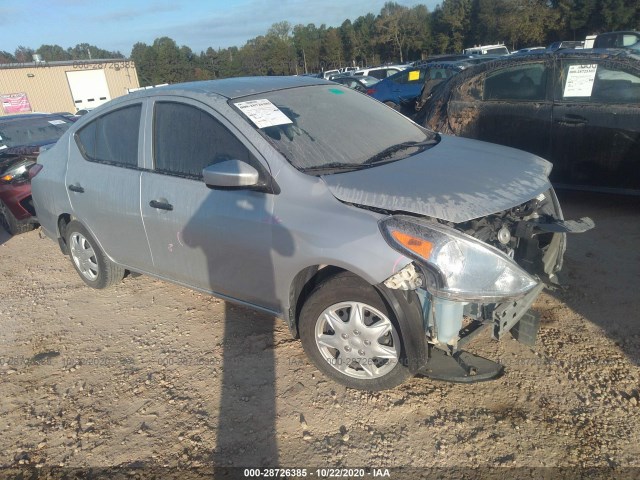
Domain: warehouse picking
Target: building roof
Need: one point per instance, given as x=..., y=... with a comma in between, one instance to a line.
x=76, y=63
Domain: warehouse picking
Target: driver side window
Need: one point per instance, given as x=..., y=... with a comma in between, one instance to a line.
x=187, y=139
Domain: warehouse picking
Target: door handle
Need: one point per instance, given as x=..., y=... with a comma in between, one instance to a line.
x=76, y=188
x=572, y=120
x=160, y=205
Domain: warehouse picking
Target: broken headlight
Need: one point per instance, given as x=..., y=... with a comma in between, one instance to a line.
x=459, y=267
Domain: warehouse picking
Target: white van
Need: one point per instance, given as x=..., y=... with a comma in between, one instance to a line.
x=487, y=50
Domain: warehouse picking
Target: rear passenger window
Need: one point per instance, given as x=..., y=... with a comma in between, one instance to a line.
x=527, y=82
x=112, y=138
x=187, y=139
x=409, y=76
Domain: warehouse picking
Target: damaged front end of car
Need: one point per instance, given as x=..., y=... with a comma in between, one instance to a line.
x=478, y=274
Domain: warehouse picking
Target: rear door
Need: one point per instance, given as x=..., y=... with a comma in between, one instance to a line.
x=510, y=105
x=596, y=124
x=103, y=183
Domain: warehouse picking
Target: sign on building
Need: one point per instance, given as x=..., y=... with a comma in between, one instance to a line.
x=15, y=103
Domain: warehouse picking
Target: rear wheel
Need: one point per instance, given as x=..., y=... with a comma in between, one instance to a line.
x=93, y=266
x=11, y=224
x=352, y=335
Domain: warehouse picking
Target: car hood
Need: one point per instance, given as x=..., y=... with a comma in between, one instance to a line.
x=456, y=181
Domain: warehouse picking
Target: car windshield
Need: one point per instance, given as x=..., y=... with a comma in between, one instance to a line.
x=369, y=81
x=32, y=131
x=330, y=128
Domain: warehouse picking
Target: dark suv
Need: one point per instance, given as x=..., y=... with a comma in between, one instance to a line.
x=21, y=139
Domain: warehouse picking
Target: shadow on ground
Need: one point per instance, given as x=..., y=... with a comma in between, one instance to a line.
x=4, y=236
x=602, y=266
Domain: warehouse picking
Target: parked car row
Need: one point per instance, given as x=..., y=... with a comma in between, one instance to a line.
x=361, y=84
x=371, y=236
x=401, y=90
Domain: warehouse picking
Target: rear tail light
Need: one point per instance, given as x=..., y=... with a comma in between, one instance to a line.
x=371, y=91
x=18, y=172
x=34, y=170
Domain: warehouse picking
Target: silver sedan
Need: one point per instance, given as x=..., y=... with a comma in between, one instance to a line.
x=372, y=237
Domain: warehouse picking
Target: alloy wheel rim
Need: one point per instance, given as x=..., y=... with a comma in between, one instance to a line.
x=357, y=340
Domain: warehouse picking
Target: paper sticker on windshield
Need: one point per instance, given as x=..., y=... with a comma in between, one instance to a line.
x=57, y=122
x=414, y=75
x=263, y=113
x=580, y=80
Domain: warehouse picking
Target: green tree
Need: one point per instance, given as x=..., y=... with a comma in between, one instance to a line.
x=145, y=59
x=617, y=15
x=23, y=54
x=349, y=42
x=306, y=42
x=390, y=31
x=53, y=53
x=364, y=28
x=6, y=57
x=84, y=51
x=419, y=40
x=451, y=22
x=331, y=49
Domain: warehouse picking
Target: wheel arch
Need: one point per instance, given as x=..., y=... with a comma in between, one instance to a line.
x=405, y=304
x=302, y=286
x=63, y=220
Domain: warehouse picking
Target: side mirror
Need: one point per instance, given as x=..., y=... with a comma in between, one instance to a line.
x=231, y=174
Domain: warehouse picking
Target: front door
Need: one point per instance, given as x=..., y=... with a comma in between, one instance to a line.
x=596, y=124
x=214, y=240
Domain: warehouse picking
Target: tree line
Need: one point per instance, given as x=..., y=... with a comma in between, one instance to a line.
x=396, y=34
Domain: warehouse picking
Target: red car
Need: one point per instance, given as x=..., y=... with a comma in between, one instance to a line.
x=21, y=138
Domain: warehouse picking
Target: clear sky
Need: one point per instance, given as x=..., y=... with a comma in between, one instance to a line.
x=198, y=24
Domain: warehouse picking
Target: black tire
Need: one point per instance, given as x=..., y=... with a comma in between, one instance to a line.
x=393, y=105
x=11, y=224
x=339, y=290
x=93, y=266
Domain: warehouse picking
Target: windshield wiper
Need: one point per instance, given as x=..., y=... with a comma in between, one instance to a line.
x=388, y=153
x=333, y=167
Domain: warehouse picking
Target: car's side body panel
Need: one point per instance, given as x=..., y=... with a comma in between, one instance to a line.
x=242, y=245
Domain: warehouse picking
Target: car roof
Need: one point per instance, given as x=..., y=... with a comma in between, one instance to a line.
x=234, y=87
x=532, y=57
x=28, y=116
x=577, y=53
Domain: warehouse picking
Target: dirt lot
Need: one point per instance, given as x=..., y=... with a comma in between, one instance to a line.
x=152, y=374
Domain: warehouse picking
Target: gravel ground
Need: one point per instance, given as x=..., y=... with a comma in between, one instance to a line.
x=149, y=374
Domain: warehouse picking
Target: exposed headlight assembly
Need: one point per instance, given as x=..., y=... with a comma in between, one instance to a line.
x=461, y=267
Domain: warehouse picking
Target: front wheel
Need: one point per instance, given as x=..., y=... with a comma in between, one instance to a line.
x=351, y=334
x=93, y=266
